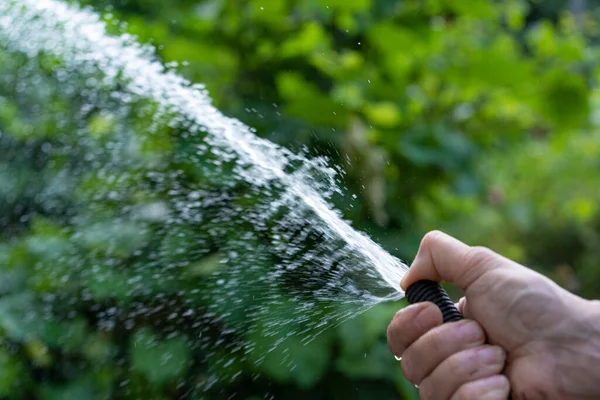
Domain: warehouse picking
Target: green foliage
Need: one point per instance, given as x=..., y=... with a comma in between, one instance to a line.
x=297, y=362
x=159, y=361
x=544, y=216
x=11, y=372
x=476, y=117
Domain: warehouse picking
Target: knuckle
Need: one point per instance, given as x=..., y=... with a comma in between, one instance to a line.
x=463, y=365
x=474, y=336
x=478, y=256
x=427, y=390
x=392, y=341
x=431, y=238
x=476, y=361
x=443, y=340
x=408, y=370
x=438, y=339
x=390, y=330
x=476, y=390
x=467, y=392
x=460, y=363
x=389, y=334
x=474, y=260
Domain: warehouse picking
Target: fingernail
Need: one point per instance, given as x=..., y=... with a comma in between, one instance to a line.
x=427, y=318
x=470, y=331
x=497, y=387
x=402, y=287
x=402, y=282
x=410, y=307
x=491, y=354
x=495, y=395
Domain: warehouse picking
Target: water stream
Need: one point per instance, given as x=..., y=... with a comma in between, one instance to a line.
x=147, y=207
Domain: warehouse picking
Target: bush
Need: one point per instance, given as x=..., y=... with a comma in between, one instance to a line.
x=119, y=226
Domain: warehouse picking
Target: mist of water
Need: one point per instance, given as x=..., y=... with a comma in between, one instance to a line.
x=198, y=224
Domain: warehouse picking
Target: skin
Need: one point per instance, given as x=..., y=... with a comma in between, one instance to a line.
x=522, y=334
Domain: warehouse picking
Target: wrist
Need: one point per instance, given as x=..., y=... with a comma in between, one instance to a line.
x=585, y=350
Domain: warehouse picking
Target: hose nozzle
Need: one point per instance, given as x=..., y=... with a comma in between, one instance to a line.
x=426, y=290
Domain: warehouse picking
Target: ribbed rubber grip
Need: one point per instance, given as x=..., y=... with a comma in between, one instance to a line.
x=432, y=291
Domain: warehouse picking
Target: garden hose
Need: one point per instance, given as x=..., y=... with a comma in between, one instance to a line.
x=425, y=290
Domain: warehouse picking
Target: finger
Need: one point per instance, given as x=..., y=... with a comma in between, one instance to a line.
x=430, y=350
x=410, y=323
x=461, y=368
x=496, y=387
x=444, y=258
x=463, y=309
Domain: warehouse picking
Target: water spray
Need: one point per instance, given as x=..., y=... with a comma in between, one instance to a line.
x=327, y=262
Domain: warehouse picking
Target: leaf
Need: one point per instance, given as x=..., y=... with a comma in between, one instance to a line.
x=384, y=114
x=516, y=11
x=120, y=238
x=48, y=247
x=97, y=348
x=12, y=281
x=11, y=375
x=38, y=353
x=311, y=38
x=207, y=265
x=306, y=101
x=69, y=335
x=358, y=335
x=18, y=316
x=160, y=361
x=106, y=282
x=349, y=6
x=294, y=361
x=565, y=101
x=376, y=363
x=183, y=243
x=101, y=125
x=77, y=389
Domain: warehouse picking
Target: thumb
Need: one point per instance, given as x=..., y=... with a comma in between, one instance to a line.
x=444, y=258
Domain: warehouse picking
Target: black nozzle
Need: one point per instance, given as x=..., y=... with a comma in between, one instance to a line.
x=432, y=291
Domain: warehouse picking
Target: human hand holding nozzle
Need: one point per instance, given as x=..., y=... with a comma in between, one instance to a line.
x=522, y=335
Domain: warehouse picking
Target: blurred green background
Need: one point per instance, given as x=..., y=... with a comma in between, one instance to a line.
x=479, y=118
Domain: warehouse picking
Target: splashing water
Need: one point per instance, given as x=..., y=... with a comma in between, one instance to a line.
x=147, y=207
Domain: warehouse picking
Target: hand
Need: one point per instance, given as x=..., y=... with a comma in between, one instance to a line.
x=542, y=341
